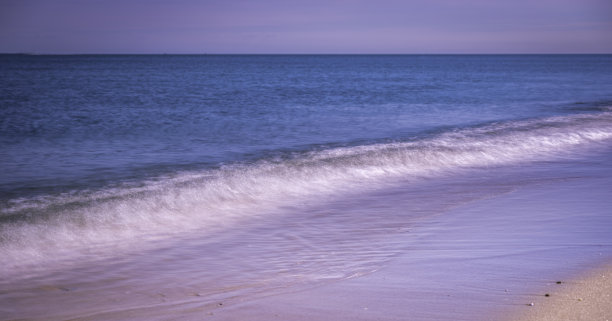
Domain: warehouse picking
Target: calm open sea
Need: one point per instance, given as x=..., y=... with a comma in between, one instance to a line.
x=268, y=170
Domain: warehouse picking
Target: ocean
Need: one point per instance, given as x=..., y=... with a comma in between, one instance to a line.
x=184, y=180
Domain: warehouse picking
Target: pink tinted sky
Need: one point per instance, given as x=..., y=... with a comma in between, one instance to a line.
x=314, y=26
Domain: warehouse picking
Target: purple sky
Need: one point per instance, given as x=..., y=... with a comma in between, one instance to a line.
x=313, y=26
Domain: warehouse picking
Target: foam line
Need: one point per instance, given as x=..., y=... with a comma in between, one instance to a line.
x=125, y=217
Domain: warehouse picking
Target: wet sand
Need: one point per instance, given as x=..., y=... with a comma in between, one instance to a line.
x=486, y=260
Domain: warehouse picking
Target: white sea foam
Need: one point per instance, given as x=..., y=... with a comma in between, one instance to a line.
x=123, y=218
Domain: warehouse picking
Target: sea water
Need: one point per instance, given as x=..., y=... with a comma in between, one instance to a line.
x=174, y=178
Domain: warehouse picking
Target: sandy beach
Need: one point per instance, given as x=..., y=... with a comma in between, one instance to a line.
x=495, y=257
x=588, y=297
x=486, y=260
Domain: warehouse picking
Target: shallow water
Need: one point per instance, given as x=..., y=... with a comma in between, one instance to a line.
x=351, y=236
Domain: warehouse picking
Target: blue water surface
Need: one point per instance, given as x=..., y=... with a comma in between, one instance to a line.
x=72, y=122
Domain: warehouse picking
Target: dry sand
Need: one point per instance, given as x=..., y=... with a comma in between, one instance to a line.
x=588, y=298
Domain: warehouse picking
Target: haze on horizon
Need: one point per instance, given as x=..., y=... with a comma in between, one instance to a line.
x=316, y=26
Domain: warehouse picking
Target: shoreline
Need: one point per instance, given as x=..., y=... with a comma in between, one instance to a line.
x=468, y=264
x=586, y=297
x=485, y=259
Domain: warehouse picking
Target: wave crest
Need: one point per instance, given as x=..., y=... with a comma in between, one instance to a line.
x=45, y=229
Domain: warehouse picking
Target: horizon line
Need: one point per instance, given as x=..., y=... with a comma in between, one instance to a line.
x=293, y=54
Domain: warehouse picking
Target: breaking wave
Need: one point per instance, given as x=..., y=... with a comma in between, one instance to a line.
x=40, y=231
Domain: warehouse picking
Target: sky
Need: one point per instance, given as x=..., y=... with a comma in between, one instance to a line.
x=304, y=27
